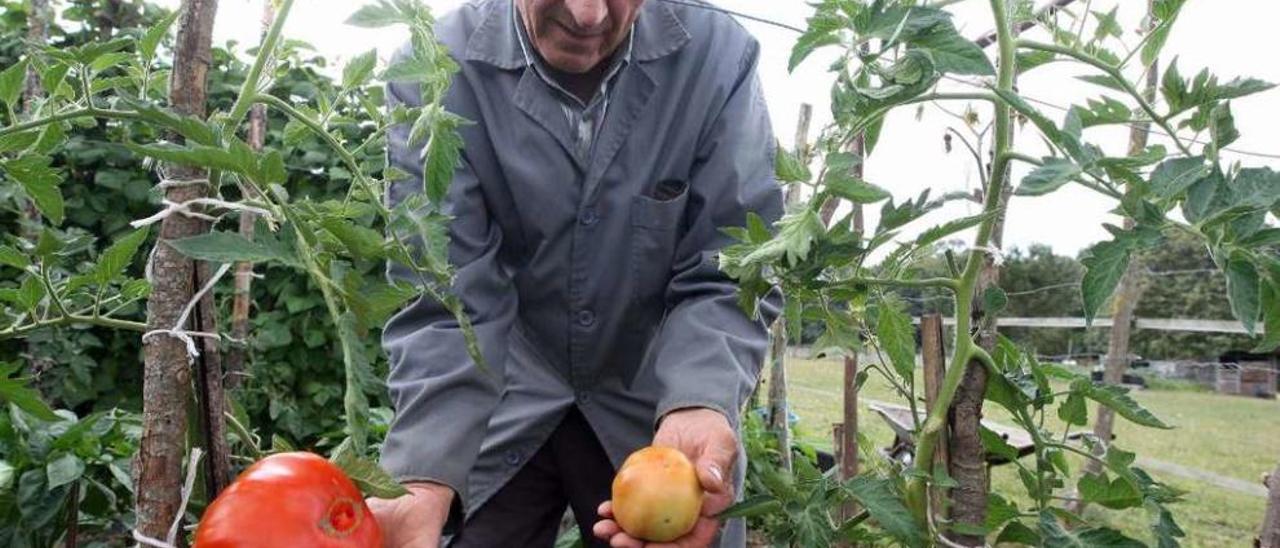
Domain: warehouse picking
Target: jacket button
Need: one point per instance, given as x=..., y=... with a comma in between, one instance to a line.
x=512, y=457
x=588, y=217
x=586, y=318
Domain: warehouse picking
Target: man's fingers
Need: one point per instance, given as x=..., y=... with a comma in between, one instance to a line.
x=715, y=463
x=714, y=503
x=605, y=509
x=622, y=540
x=703, y=533
x=605, y=529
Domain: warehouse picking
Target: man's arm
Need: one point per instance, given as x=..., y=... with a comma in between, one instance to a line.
x=442, y=400
x=708, y=353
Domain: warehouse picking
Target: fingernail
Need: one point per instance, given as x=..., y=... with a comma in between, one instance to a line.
x=715, y=471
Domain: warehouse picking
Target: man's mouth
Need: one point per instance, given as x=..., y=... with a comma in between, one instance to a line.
x=583, y=34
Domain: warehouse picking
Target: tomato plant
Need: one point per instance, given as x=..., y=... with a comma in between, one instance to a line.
x=290, y=499
x=117, y=84
x=893, y=54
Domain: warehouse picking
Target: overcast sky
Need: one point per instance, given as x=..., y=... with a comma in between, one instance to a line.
x=1234, y=37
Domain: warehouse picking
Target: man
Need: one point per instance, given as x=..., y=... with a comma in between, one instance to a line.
x=612, y=139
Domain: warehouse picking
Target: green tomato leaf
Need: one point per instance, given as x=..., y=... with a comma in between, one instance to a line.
x=64, y=470
x=994, y=300
x=880, y=498
x=443, y=155
x=229, y=247
x=1074, y=411
x=996, y=445
x=1270, y=302
x=934, y=234
x=1165, y=11
x=116, y=258
x=1018, y=533
x=357, y=71
x=1174, y=176
x=1049, y=177
x=372, y=480
x=1222, y=126
x=1116, y=494
x=377, y=15
x=1056, y=536
x=1116, y=398
x=759, y=505
x=790, y=168
x=7, y=473
x=30, y=292
x=951, y=52
x=843, y=184
x=150, y=41
x=40, y=181
x=807, y=43
x=897, y=337
x=1244, y=290
x=1105, y=263
x=11, y=84
x=12, y=257
x=16, y=392
x=362, y=242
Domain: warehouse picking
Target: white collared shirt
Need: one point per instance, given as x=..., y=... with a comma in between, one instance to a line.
x=585, y=119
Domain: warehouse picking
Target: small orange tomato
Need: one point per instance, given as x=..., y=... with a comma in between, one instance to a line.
x=656, y=495
x=289, y=499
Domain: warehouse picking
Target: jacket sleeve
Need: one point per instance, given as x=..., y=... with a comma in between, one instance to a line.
x=709, y=352
x=443, y=401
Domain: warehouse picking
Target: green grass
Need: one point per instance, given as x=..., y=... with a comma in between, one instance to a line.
x=1231, y=436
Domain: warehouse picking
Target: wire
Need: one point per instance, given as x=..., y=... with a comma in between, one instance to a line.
x=1130, y=124
x=766, y=21
x=1069, y=285
x=711, y=7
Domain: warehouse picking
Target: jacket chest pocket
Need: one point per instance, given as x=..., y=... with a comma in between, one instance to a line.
x=657, y=222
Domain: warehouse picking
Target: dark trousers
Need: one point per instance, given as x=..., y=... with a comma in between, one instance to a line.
x=571, y=470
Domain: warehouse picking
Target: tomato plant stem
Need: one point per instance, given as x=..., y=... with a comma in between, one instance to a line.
x=1118, y=78
x=965, y=347
x=72, y=114
x=73, y=319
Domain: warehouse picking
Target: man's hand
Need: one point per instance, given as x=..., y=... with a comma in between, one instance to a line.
x=414, y=520
x=703, y=435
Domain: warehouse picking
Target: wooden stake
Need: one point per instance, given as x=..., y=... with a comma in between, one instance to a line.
x=933, y=352
x=801, y=149
x=166, y=373
x=1270, y=534
x=1125, y=301
x=778, y=412
x=242, y=302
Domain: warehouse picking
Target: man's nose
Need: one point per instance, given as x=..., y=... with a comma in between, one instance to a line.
x=588, y=14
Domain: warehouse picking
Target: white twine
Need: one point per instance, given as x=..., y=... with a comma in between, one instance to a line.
x=997, y=255
x=177, y=331
x=184, y=208
x=188, y=486
x=168, y=183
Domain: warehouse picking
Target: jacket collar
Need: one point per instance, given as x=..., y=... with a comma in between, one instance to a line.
x=657, y=33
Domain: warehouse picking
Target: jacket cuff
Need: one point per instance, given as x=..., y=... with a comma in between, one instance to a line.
x=670, y=405
x=457, y=508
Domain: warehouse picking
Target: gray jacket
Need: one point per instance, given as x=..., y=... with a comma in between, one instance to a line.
x=591, y=279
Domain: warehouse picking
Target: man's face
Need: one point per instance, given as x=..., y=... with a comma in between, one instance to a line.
x=576, y=35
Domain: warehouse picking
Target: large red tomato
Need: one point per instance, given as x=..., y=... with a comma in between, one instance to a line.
x=286, y=500
x=656, y=495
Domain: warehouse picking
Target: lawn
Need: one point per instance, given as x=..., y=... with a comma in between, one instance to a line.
x=1227, y=436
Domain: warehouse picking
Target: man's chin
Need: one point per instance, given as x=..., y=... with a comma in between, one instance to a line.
x=573, y=63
